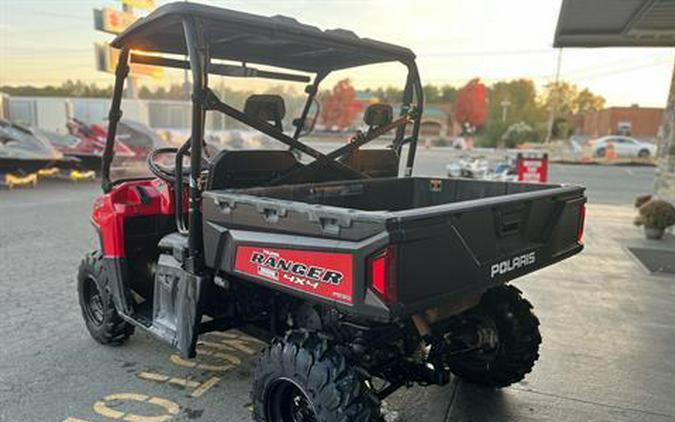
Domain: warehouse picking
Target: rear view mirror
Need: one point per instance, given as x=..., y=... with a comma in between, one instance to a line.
x=310, y=122
x=377, y=115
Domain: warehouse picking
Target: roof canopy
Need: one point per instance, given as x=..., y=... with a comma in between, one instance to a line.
x=616, y=23
x=277, y=41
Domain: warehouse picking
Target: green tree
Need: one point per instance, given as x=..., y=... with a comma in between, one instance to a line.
x=565, y=98
x=519, y=97
x=68, y=88
x=587, y=101
x=448, y=94
x=432, y=94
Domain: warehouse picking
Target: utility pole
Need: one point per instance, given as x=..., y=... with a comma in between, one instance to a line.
x=555, y=98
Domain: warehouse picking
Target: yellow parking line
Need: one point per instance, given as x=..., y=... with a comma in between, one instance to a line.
x=206, y=386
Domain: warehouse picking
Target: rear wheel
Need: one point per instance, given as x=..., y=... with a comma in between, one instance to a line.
x=507, y=318
x=304, y=378
x=102, y=320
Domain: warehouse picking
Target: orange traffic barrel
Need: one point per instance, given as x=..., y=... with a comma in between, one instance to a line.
x=610, y=153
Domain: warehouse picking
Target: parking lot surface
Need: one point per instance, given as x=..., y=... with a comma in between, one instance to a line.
x=608, y=329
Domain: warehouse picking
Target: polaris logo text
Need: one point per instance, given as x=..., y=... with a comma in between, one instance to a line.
x=512, y=264
x=274, y=261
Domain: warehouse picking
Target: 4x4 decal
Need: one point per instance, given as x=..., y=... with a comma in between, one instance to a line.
x=325, y=274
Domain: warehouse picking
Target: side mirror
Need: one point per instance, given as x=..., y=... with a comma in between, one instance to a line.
x=377, y=115
x=310, y=122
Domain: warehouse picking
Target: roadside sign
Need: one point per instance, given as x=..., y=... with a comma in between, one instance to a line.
x=532, y=167
x=102, y=57
x=112, y=21
x=141, y=4
x=106, y=60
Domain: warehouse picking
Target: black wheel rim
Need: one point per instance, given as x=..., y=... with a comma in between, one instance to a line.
x=286, y=401
x=481, y=359
x=93, y=302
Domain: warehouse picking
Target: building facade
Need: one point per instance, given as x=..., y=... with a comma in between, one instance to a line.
x=639, y=122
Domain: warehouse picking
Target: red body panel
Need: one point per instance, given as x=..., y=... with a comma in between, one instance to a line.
x=123, y=201
x=325, y=274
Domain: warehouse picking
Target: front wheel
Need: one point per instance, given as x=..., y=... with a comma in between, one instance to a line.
x=643, y=153
x=304, y=377
x=506, y=318
x=99, y=313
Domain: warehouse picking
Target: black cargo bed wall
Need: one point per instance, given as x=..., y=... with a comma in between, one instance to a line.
x=392, y=194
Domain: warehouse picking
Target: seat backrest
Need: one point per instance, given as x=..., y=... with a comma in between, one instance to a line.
x=373, y=162
x=248, y=168
x=268, y=108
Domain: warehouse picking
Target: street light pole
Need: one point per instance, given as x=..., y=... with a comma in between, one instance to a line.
x=505, y=106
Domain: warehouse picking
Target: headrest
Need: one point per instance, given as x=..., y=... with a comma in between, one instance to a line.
x=378, y=114
x=265, y=107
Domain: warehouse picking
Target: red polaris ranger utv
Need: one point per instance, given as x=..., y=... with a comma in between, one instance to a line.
x=361, y=281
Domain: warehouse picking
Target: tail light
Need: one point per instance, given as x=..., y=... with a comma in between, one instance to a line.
x=582, y=221
x=382, y=273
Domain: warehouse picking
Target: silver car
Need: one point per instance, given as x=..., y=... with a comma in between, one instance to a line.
x=624, y=146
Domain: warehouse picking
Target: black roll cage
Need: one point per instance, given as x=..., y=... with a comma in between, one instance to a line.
x=203, y=99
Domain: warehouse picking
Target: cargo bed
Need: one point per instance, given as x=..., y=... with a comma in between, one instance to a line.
x=452, y=237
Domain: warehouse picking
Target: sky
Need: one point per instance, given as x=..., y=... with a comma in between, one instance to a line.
x=48, y=41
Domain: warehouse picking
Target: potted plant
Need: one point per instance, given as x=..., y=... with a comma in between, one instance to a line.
x=656, y=216
x=641, y=200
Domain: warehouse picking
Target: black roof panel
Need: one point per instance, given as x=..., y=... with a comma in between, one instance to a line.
x=277, y=41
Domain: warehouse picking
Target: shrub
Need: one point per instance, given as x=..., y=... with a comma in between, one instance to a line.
x=519, y=133
x=656, y=214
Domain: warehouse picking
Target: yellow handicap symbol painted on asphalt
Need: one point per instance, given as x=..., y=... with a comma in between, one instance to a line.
x=102, y=407
x=210, y=351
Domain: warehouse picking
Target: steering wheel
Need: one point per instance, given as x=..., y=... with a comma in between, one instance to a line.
x=168, y=172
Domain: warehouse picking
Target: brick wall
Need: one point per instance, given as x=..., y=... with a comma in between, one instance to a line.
x=644, y=122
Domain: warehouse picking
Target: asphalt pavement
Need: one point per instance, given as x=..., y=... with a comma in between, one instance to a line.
x=608, y=329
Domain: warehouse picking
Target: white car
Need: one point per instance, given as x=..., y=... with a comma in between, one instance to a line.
x=624, y=146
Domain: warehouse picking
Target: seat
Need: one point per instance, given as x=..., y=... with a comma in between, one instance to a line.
x=373, y=162
x=248, y=168
x=251, y=168
x=268, y=108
